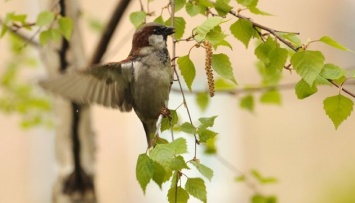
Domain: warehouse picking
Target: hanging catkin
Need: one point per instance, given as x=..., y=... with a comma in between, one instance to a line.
x=208, y=67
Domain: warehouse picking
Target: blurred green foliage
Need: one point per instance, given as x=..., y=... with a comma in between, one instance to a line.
x=20, y=95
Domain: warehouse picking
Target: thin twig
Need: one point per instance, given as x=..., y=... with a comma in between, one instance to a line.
x=172, y=15
x=238, y=91
x=270, y=30
x=173, y=53
x=342, y=88
x=256, y=88
x=237, y=171
x=21, y=35
x=284, y=41
x=141, y=5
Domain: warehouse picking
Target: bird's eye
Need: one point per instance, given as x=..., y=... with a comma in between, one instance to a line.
x=158, y=31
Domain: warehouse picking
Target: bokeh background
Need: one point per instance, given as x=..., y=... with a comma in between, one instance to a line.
x=294, y=142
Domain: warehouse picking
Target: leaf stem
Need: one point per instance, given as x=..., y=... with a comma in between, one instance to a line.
x=341, y=88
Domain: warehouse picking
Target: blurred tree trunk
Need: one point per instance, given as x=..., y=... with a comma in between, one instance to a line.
x=75, y=140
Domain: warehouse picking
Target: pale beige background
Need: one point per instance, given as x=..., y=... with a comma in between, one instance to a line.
x=295, y=142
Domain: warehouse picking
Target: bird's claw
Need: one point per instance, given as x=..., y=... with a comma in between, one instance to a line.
x=165, y=112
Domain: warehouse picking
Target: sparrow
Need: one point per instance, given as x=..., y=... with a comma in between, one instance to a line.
x=141, y=81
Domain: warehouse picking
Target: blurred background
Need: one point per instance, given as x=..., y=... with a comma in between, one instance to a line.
x=294, y=142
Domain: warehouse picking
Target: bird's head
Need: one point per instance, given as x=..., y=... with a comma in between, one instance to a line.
x=151, y=34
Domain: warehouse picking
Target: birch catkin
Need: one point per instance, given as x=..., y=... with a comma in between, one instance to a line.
x=208, y=67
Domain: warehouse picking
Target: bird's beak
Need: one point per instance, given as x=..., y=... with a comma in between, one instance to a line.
x=169, y=30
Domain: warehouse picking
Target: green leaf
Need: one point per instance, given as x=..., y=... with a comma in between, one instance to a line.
x=270, y=77
x=96, y=24
x=205, y=134
x=161, y=140
x=262, y=51
x=320, y=80
x=144, y=170
x=303, y=90
x=18, y=18
x=177, y=195
x=247, y=102
x=352, y=74
x=30, y=122
x=271, y=97
x=263, y=180
x=178, y=163
x=272, y=56
x=221, y=84
x=193, y=9
x=175, y=178
x=7, y=21
x=196, y=187
x=208, y=25
x=294, y=38
x=338, y=108
x=277, y=59
x=272, y=71
x=207, y=121
x=188, y=128
x=222, y=43
x=210, y=147
x=187, y=69
x=216, y=37
x=222, y=7
x=206, y=3
x=4, y=29
x=55, y=33
x=179, y=4
x=65, y=27
x=258, y=198
x=161, y=175
x=241, y=178
x=339, y=81
x=204, y=170
x=159, y=20
x=179, y=25
x=257, y=11
x=173, y=117
x=137, y=18
x=333, y=43
x=45, y=18
x=332, y=72
x=8, y=17
x=162, y=154
x=248, y=3
x=222, y=65
x=47, y=35
x=251, y=5
x=308, y=64
x=202, y=100
x=244, y=31
x=179, y=146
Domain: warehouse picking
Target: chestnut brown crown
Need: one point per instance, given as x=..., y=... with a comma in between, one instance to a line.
x=141, y=36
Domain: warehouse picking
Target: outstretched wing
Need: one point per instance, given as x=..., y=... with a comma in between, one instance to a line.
x=105, y=84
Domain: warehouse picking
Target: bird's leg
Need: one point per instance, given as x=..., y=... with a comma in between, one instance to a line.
x=154, y=138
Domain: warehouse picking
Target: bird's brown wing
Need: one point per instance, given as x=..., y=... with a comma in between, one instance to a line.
x=105, y=84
